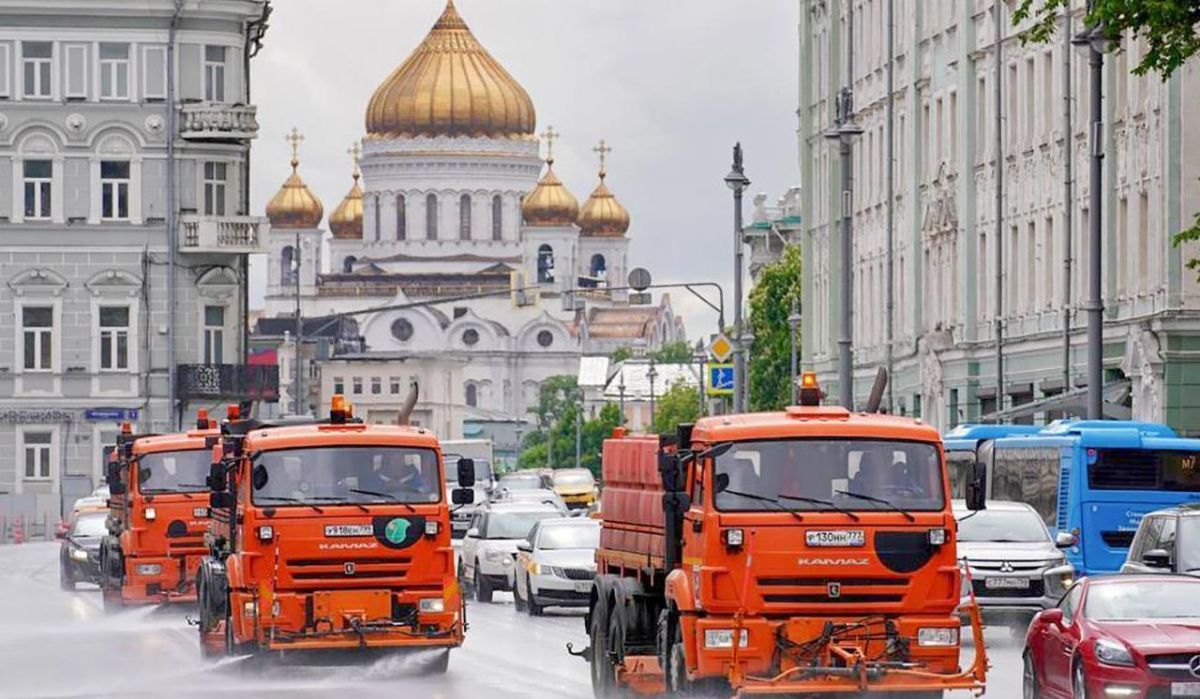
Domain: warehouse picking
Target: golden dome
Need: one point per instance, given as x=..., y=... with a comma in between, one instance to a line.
x=450, y=86
x=550, y=203
x=346, y=221
x=602, y=215
x=294, y=206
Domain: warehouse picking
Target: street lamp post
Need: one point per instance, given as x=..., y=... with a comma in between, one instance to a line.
x=793, y=321
x=701, y=358
x=579, y=428
x=652, y=374
x=738, y=182
x=1095, y=42
x=748, y=339
x=621, y=395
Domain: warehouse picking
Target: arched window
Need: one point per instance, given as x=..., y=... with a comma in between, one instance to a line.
x=431, y=217
x=401, y=217
x=464, y=217
x=599, y=266
x=497, y=218
x=348, y=264
x=545, y=265
x=287, y=265
x=472, y=391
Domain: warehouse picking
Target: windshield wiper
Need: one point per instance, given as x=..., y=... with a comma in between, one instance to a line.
x=385, y=496
x=817, y=501
x=294, y=501
x=335, y=500
x=881, y=501
x=172, y=491
x=763, y=498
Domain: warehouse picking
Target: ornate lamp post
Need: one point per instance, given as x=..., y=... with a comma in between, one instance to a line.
x=738, y=182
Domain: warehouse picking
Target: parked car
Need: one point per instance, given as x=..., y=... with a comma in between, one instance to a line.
x=539, y=496
x=520, y=480
x=556, y=564
x=1154, y=548
x=577, y=487
x=490, y=546
x=1119, y=635
x=79, y=553
x=1016, y=567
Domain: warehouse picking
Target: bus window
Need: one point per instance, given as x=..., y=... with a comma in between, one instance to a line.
x=1029, y=475
x=958, y=463
x=1143, y=469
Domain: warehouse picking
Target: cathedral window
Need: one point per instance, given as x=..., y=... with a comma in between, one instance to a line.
x=287, y=265
x=402, y=329
x=464, y=217
x=545, y=338
x=599, y=266
x=545, y=265
x=378, y=226
x=472, y=391
x=401, y=217
x=470, y=337
x=497, y=213
x=431, y=217
x=348, y=264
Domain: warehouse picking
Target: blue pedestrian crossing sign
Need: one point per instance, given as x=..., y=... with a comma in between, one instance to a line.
x=720, y=380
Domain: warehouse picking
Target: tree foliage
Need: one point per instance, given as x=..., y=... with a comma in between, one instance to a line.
x=770, y=306
x=671, y=353
x=680, y=404
x=557, y=411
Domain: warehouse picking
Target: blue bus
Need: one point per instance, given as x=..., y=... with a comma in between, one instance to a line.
x=1094, y=479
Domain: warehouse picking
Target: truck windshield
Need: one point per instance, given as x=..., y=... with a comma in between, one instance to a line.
x=906, y=475
x=331, y=475
x=174, y=471
x=1144, y=469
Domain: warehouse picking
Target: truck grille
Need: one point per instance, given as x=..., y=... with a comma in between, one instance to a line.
x=794, y=590
x=179, y=546
x=1009, y=566
x=307, y=572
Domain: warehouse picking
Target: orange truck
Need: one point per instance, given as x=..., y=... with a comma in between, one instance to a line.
x=158, y=515
x=803, y=552
x=330, y=535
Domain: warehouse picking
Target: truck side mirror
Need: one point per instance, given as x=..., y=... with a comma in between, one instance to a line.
x=216, y=481
x=466, y=472
x=976, y=486
x=462, y=496
x=1157, y=558
x=721, y=482
x=259, y=477
x=220, y=500
x=117, y=488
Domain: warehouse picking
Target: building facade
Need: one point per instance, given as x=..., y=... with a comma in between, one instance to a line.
x=946, y=166
x=85, y=246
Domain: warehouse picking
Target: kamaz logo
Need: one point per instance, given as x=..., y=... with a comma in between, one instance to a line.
x=834, y=590
x=350, y=568
x=348, y=546
x=833, y=561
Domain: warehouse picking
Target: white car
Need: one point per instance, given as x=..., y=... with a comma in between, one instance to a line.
x=490, y=546
x=557, y=564
x=539, y=497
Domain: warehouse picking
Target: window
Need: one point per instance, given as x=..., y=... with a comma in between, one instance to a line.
x=37, y=327
x=37, y=455
x=401, y=217
x=348, y=264
x=38, y=189
x=497, y=218
x=378, y=224
x=402, y=329
x=394, y=386
x=545, y=338
x=470, y=337
x=339, y=385
x=1028, y=475
x=376, y=385
x=599, y=266
x=1145, y=469
x=114, y=338
x=464, y=217
x=214, y=334
x=287, y=265
x=214, y=188
x=357, y=385
x=431, y=217
x=114, y=71
x=545, y=265
x=37, y=60
x=472, y=397
x=214, y=73
x=114, y=190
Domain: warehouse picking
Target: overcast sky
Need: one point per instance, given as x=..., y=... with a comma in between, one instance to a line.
x=670, y=84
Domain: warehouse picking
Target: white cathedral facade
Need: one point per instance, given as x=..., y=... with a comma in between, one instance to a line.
x=489, y=275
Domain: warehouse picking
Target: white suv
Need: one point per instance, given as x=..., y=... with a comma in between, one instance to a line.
x=490, y=546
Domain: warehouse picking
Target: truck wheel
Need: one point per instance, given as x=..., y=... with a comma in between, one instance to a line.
x=604, y=675
x=676, y=669
x=112, y=600
x=483, y=588
x=440, y=665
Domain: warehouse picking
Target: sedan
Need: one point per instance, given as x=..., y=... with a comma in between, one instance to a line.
x=556, y=565
x=1128, y=636
x=490, y=546
x=79, y=553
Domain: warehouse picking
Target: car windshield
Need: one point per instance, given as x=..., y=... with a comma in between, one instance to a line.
x=369, y=474
x=1161, y=599
x=572, y=536
x=174, y=471
x=1189, y=553
x=521, y=481
x=574, y=478
x=817, y=474
x=514, y=525
x=90, y=526
x=1002, y=526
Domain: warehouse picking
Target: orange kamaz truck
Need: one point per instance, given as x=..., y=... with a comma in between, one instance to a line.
x=803, y=552
x=330, y=536
x=158, y=515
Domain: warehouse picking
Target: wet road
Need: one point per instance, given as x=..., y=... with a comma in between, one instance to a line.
x=61, y=644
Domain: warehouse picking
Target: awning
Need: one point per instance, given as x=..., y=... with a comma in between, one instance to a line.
x=1071, y=404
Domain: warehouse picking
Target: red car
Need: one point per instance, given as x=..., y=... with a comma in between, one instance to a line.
x=1118, y=636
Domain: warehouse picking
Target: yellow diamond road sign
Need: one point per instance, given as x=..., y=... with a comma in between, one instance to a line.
x=720, y=348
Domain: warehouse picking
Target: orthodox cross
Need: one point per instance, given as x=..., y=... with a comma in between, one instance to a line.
x=550, y=135
x=355, y=153
x=295, y=138
x=603, y=150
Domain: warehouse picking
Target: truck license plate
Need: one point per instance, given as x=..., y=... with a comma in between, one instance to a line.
x=349, y=530
x=836, y=537
x=1185, y=689
x=1007, y=583
x=583, y=586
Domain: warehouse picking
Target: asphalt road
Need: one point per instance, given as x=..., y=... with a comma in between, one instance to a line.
x=61, y=644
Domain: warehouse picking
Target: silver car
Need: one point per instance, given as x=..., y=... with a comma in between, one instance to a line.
x=1016, y=567
x=537, y=496
x=556, y=565
x=490, y=547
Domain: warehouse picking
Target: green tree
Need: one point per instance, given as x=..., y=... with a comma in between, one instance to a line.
x=1170, y=29
x=561, y=436
x=621, y=354
x=673, y=353
x=770, y=306
x=678, y=405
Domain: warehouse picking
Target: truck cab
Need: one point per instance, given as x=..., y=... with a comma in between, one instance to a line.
x=329, y=535
x=158, y=516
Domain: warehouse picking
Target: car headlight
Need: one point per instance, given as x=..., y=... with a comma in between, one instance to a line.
x=432, y=605
x=536, y=568
x=147, y=569
x=495, y=556
x=78, y=555
x=937, y=637
x=723, y=638
x=1113, y=653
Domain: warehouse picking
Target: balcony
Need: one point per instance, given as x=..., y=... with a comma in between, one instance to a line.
x=228, y=235
x=214, y=382
x=216, y=121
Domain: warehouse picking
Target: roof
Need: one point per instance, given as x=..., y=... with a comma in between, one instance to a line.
x=635, y=377
x=593, y=372
x=813, y=423
x=357, y=434
x=974, y=432
x=1187, y=509
x=622, y=321
x=180, y=441
x=521, y=507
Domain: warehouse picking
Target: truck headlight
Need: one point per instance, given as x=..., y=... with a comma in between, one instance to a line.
x=938, y=637
x=78, y=555
x=723, y=638
x=937, y=537
x=266, y=533
x=150, y=514
x=431, y=527
x=147, y=569
x=1113, y=653
x=432, y=605
x=250, y=609
x=734, y=538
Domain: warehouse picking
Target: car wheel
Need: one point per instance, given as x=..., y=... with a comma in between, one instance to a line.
x=1029, y=684
x=64, y=579
x=483, y=587
x=1079, y=682
x=531, y=604
x=462, y=579
x=518, y=600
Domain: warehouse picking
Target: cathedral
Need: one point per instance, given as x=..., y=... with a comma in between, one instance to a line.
x=469, y=266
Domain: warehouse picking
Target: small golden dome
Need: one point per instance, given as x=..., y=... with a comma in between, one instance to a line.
x=294, y=206
x=346, y=221
x=602, y=215
x=450, y=86
x=550, y=203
